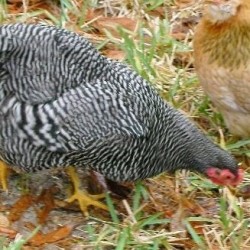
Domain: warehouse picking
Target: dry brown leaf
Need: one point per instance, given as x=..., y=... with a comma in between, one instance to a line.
x=168, y=213
x=20, y=207
x=5, y=229
x=102, y=23
x=111, y=24
x=197, y=226
x=30, y=5
x=158, y=12
x=94, y=14
x=59, y=234
x=45, y=197
x=114, y=54
x=8, y=232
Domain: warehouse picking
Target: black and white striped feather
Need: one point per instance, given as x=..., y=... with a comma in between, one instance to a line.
x=62, y=103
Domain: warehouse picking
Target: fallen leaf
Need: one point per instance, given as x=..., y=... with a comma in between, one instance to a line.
x=197, y=226
x=102, y=23
x=20, y=207
x=114, y=54
x=168, y=213
x=111, y=24
x=51, y=237
x=18, y=6
x=93, y=14
x=158, y=12
x=8, y=232
x=45, y=197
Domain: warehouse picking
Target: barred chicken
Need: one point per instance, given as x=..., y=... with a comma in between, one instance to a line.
x=63, y=104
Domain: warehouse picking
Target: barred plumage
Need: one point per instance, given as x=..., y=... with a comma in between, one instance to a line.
x=62, y=103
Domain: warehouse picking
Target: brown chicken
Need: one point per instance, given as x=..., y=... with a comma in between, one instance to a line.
x=222, y=60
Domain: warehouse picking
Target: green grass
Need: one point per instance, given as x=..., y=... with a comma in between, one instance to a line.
x=133, y=232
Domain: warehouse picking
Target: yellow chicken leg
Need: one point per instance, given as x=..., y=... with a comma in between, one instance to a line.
x=83, y=197
x=4, y=172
